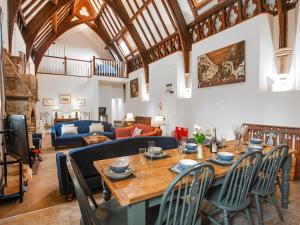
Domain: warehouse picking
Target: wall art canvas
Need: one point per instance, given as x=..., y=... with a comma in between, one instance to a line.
x=134, y=88
x=48, y=102
x=223, y=66
x=65, y=99
x=80, y=102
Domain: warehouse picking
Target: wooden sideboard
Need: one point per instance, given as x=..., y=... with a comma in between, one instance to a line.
x=62, y=120
x=291, y=135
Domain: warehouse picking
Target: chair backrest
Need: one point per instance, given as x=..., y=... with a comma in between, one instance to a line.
x=83, y=194
x=239, y=178
x=184, y=196
x=269, y=168
x=271, y=138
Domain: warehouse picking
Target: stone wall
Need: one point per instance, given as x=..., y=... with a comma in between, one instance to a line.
x=21, y=90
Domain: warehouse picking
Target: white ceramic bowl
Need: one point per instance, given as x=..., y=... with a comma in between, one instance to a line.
x=119, y=166
x=186, y=163
x=191, y=146
x=225, y=156
x=254, y=148
x=256, y=141
x=156, y=150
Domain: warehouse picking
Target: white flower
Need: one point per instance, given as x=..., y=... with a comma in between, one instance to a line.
x=196, y=126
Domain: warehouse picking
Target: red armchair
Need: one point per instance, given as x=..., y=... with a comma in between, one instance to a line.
x=126, y=132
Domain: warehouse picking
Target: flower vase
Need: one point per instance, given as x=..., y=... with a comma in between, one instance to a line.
x=199, y=152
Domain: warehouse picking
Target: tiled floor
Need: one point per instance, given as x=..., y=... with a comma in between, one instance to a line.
x=44, y=206
x=69, y=214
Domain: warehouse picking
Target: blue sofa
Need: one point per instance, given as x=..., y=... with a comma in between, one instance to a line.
x=85, y=156
x=72, y=140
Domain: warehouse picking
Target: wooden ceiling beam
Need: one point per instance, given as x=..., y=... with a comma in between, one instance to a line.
x=13, y=8
x=283, y=22
x=34, y=26
x=54, y=2
x=182, y=29
x=119, y=9
x=54, y=22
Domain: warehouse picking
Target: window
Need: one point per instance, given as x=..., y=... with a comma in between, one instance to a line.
x=124, y=48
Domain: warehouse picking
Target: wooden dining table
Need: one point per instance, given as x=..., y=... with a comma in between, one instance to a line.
x=145, y=187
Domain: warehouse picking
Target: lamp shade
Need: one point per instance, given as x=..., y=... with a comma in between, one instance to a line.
x=158, y=120
x=129, y=117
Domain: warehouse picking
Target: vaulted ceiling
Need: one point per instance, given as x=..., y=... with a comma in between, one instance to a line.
x=136, y=31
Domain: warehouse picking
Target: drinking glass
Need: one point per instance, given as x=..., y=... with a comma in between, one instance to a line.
x=151, y=144
x=142, y=152
x=182, y=144
x=223, y=141
x=237, y=130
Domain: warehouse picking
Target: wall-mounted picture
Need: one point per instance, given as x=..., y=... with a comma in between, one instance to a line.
x=134, y=88
x=65, y=99
x=223, y=66
x=80, y=102
x=48, y=102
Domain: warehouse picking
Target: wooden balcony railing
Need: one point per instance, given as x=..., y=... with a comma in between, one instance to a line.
x=82, y=68
x=291, y=135
x=109, y=68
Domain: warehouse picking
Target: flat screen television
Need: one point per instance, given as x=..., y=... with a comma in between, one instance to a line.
x=17, y=138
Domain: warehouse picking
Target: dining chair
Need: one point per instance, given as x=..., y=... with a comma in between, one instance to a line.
x=107, y=213
x=233, y=195
x=182, y=199
x=264, y=185
x=271, y=138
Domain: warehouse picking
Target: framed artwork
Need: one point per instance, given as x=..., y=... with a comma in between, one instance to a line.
x=65, y=99
x=134, y=88
x=223, y=66
x=48, y=102
x=80, y=102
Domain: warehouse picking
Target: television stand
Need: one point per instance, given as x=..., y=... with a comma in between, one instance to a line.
x=15, y=191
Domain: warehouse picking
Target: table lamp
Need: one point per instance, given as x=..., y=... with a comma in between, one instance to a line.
x=129, y=118
x=158, y=121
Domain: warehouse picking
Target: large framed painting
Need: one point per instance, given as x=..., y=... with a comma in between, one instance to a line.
x=223, y=66
x=134, y=88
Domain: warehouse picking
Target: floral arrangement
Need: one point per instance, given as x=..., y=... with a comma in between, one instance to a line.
x=200, y=135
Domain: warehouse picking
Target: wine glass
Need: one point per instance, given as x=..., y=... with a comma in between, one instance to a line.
x=142, y=152
x=237, y=130
x=223, y=141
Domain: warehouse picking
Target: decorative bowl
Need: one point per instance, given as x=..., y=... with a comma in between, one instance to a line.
x=119, y=166
x=256, y=141
x=191, y=146
x=254, y=148
x=155, y=150
x=186, y=163
x=225, y=156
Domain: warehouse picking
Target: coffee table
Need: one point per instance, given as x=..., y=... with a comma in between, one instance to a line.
x=94, y=139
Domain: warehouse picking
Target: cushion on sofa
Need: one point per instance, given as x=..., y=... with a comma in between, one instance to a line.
x=68, y=130
x=96, y=128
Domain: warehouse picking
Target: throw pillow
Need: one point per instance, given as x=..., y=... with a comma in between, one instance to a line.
x=68, y=125
x=137, y=132
x=96, y=124
x=69, y=130
x=96, y=128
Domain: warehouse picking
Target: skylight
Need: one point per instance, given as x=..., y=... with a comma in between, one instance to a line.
x=124, y=48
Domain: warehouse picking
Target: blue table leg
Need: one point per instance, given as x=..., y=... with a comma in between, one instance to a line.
x=136, y=214
x=285, y=184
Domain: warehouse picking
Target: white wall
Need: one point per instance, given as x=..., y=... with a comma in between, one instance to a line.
x=3, y=5
x=95, y=93
x=81, y=42
x=226, y=105
x=107, y=92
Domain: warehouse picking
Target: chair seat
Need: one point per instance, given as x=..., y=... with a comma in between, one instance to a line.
x=213, y=194
x=110, y=213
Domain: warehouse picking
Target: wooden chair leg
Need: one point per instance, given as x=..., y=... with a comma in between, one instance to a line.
x=226, y=222
x=248, y=214
x=277, y=208
x=258, y=210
